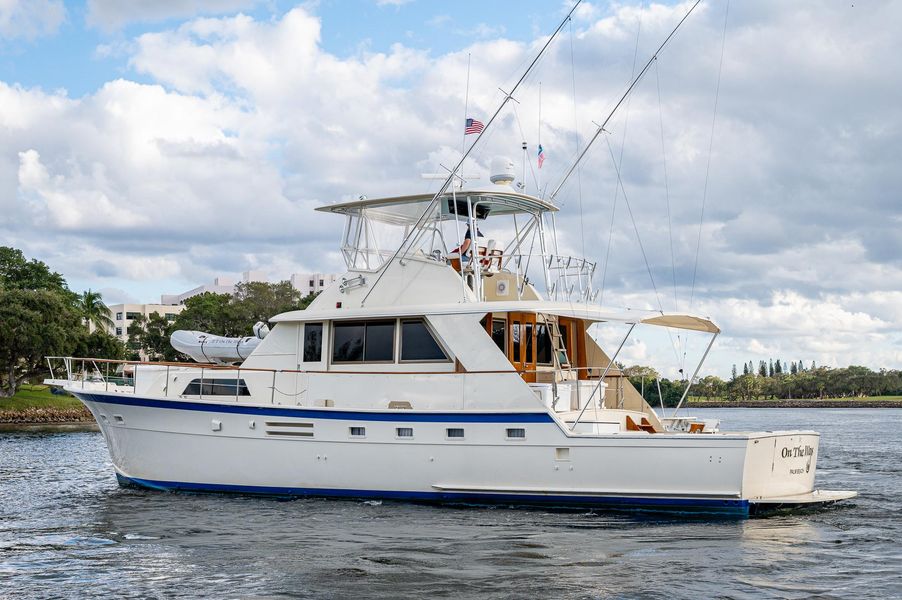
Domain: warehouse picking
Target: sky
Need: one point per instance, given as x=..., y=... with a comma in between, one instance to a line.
x=148, y=147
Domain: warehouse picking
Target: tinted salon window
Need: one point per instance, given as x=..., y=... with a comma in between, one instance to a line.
x=357, y=341
x=313, y=342
x=380, y=341
x=347, y=341
x=417, y=342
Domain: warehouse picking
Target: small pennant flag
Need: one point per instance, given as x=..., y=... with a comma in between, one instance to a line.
x=473, y=126
x=541, y=157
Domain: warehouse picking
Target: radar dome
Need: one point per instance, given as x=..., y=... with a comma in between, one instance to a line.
x=502, y=172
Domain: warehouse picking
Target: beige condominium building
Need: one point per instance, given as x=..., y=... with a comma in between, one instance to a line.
x=124, y=314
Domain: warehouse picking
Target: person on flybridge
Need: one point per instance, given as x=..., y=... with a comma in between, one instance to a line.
x=464, y=249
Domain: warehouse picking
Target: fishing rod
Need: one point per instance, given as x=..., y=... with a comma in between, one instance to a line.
x=601, y=128
x=405, y=244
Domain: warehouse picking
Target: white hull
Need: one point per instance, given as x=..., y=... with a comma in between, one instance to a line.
x=235, y=447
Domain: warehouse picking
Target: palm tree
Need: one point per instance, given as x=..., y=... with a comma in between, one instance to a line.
x=94, y=311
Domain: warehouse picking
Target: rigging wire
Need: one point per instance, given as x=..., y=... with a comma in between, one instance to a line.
x=626, y=119
x=635, y=226
x=641, y=245
x=678, y=346
x=579, y=182
x=701, y=221
x=666, y=188
x=416, y=230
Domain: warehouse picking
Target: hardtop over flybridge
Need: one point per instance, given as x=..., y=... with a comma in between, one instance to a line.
x=441, y=367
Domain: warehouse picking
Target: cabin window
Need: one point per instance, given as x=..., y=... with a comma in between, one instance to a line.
x=515, y=339
x=515, y=433
x=404, y=432
x=528, y=335
x=418, y=344
x=357, y=431
x=363, y=341
x=347, y=341
x=543, y=344
x=454, y=433
x=216, y=387
x=379, y=345
x=313, y=342
x=499, y=327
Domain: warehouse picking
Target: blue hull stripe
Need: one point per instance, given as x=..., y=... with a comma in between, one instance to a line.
x=307, y=413
x=686, y=505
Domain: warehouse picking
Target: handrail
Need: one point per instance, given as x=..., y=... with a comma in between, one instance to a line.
x=214, y=367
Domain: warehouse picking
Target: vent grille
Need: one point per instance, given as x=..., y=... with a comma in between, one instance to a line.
x=289, y=429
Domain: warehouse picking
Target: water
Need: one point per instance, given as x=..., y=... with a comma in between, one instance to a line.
x=68, y=530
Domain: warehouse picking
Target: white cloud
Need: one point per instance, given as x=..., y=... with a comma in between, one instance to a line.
x=247, y=124
x=30, y=18
x=113, y=14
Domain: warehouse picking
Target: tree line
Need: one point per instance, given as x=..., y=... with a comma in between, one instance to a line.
x=230, y=315
x=40, y=316
x=768, y=382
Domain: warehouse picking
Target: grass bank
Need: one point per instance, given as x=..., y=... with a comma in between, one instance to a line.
x=36, y=404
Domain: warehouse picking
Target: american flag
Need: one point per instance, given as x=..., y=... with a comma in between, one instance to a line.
x=541, y=155
x=473, y=126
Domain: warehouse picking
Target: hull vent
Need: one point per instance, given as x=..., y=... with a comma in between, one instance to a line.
x=291, y=429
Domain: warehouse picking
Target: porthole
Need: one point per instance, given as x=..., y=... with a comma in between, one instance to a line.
x=357, y=432
x=404, y=432
x=454, y=433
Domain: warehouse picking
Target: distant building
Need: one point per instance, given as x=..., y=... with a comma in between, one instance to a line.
x=311, y=283
x=220, y=285
x=305, y=283
x=124, y=314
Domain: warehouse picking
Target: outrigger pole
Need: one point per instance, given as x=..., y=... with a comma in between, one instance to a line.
x=507, y=96
x=601, y=128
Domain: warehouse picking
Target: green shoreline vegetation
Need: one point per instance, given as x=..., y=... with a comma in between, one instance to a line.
x=40, y=316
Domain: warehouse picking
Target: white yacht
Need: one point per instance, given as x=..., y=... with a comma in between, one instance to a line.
x=422, y=376
x=435, y=370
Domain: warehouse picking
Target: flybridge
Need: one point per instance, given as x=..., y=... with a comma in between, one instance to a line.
x=515, y=235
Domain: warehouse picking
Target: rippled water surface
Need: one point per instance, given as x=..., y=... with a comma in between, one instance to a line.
x=67, y=529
